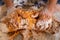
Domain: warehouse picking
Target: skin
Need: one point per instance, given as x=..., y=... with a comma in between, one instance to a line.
x=8, y=3
x=51, y=4
x=48, y=10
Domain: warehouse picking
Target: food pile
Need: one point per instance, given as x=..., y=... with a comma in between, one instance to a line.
x=27, y=19
x=21, y=21
x=22, y=24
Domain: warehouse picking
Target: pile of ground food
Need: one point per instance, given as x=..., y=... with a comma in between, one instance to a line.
x=23, y=23
x=29, y=22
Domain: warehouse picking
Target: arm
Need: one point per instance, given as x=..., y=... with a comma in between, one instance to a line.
x=48, y=10
x=8, y=3
x=51, y=4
